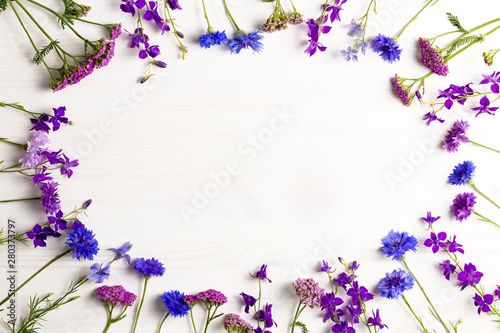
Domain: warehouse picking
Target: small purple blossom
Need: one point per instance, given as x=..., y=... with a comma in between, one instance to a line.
x=249, y=301
x=463, y=205
x=355, y=29
x=494, y=79
x=99, y=273
x=309, y=292
x=448, y=268
x=456, y=136
x=266, y=316
x=121, y=252
x=330, y=302
x=469, y=276
x=436, y=241
x=376, y=321
x=41, y=175
x=343, y=327
x=349, y=54
x=335, y=10
x=485, y=107
x=261, y=274
x=173, y=4
x=66, y=165
x=430, y=117
x=325, y=267
x=430, y=219
x=41, y=123
x=58, y=118
x=483, y=303
x=58, y=221
x=453, y=246
x=152, y=50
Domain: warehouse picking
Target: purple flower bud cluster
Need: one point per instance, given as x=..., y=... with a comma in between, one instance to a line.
x=432, y=58
x=309, y=292
x=456, y=136
x=115, y=295
x=401, y=90
x=279, y=19
x=210, y=296
x=234, y=323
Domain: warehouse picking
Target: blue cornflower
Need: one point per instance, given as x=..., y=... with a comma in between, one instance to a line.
x=396, y=244
x=242, y=41
x=149, y=267
x=462, y=173
x=349, y=54
x=394, y=284
x=387, y=48
x=354, y=28
x=210, y=39
x=261, y=274
x=220, y=37
x=175, y=303
x=99, y=273
x=83, y=243
x=121, y=252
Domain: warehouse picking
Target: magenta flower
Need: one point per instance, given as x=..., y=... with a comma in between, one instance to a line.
x=469, y=276
x=436, y=241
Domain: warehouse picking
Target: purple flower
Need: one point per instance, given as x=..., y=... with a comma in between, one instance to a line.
x=38, y=236
x=430, y=117
x=266, y=316
x=58, y=221
x=41, y=123
x=58, y=118
x=430, y=219
x=175, y=303
x=212, y=296
x=128, y=7
x=448, y=269
x=330, y=302
x=354, y=28
x=99, y=273
x=394, y=284
x=396, y=244
x=483, y=303
x=335, y=10
x=462, y=173
x=313, y=33
x=50, y=198
x=401, y=90
x=149, y=267
x=325, y=268
x=138, y=38
x=432, y=58
x=455, y=93
x=343, y=327
x=173, y=4
x=359, y=293
x=349, y=54
x=41, y=175
x=83, y=243
x=249, y=301
x=456, y=136
x=485, y=107
x=309, y=292
x=115, y=295
x=153, y=51
x=121, y=252
x=494, y=79
x=235, y=323
x=36, y=148
x=67, y=165
x=436, y=241
x=387, y=48
x=375, y=320
x=52, y=156
x=463, y=205
x=261, y=274
x=343, y=279
x=241, y=41
x=453, y=246
x=469, y=276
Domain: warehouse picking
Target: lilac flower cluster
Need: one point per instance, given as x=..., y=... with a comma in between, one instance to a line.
x=331, y=12
x=309, y=292
x=402, y=91
x=432, y=58
x=211, y=298
x=235, y=324
x=115, y=295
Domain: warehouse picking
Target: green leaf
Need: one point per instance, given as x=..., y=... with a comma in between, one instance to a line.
x=302, y=325
x=3, y=5
x=463, y=42
x=456, y=23
x=38, y=57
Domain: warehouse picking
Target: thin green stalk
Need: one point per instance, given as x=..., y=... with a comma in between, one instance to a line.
x=466, y=47
x=207, y=322
x=110, y=316
x=209, y=29
x=13, y=143
x=36, y=273
x=238, y=30
x=146, y=279
x=485, y=219
x=176, y=33
x=297, y=314
x=192, y=319
x=413, y=312
x=413, y=19
x=471, y=183
x=162, y=321
x=436, y=314
x=24, y=199
x=480, y=145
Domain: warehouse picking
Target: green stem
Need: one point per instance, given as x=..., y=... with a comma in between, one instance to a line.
x=471, y=183
x=207, y=322
x=35, y=274
x=24, y=199
x=436, y=314
x=238, y=30
x=176, y=33
x=162, y=321
x=110, y=314
x=209, y=29
x=146, y=279
x=485, y=219
x=466, y=47
x=13, y=143
x=480, y=145
x=413, y=312
x=297, y=314
x=413, y=19
x=192, y=319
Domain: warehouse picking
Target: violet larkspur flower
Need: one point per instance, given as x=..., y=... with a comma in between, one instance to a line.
x=396, y=244
x=453, y=246
x=41, y=123
x=394, y=284
x=83, y=243
x=354, y=28
x=456, y=136
x=121, y=252
x=261, y=274
x=359, y=293
x=494, y=79
x=50, y=198
x=330, y=302
x=38, y=235
x=313, y=33
x=335, y=10
x=249, y=301
x=175, y=303
x=343, y=279
x=309, y=292
x=432, y=58
x=149, y=267
x=463, y=205
x=375, y=320
x=483, y=303
x=325, y=267
x=115, y=295
x=455, y=93
x=485, y=107
x=242, y=41
x=173, y=4
x=448, y=268
x=234, y=323
x=266, y=316
x=469, y=276
x=58, y=221
x=66, y=166
x=430, y=219
x=153, y=51
x=343, y=327
x=128, y=7
x=401, y=90
x=99, y=273
x=349, y=54
x=41, y=175
x=430, y=117
x=387, y=48
x=462, y=173
x=58, y=118
x=436, y=241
